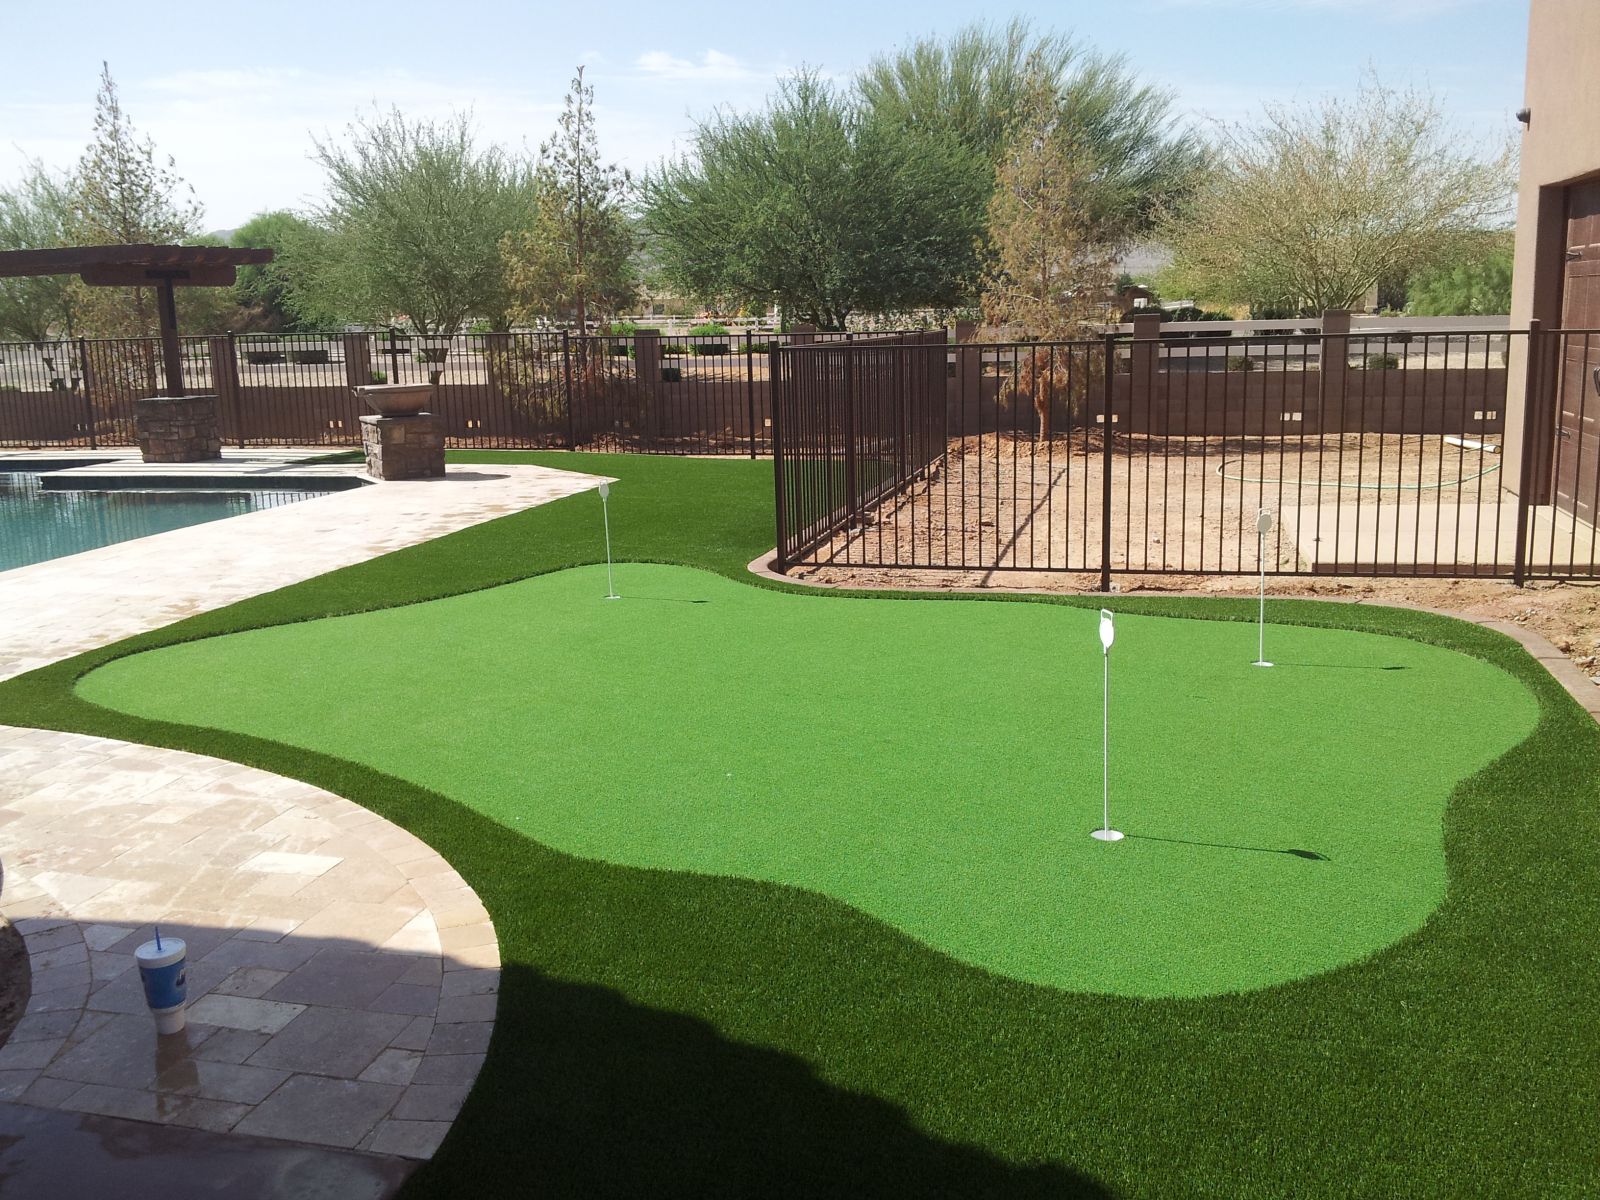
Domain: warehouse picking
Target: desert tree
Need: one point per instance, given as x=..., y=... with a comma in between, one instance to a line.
x=410, y=227
x=819, y=207
x=984, y=82
x=1315, y=204
x=576, y=257
x=1473, y=283
x=124, y=193
x=1051, y=268
x=262, y=294
x=36, y=214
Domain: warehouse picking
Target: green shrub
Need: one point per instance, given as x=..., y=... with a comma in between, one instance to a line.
x=1241, y=362
x=379, y=377
x=1380, y=362
x=618, y=329
x=674, y=348
x=709, y=329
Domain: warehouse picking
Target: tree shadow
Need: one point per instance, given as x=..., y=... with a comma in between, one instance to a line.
x=584, y=1093
x=1307, y=854
x=593, y=1095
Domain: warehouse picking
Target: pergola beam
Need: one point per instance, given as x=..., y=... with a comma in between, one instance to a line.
x=161, y=267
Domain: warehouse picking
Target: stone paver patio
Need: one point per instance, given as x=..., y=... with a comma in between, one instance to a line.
x=342, y=976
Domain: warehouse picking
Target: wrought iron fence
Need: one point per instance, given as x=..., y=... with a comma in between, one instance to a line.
x=1380, y=453
x=700, y=394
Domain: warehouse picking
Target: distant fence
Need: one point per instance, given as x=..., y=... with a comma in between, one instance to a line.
x=1379, y=452
x=700, y=394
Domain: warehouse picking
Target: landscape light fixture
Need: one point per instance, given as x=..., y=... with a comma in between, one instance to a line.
x=1108, y=634
x=605, y=513
x=1263, y=527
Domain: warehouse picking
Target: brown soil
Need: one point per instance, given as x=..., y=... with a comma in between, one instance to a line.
x=1186, y=507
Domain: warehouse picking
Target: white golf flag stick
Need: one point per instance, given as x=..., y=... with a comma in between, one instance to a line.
x=605, y=512
x=1263, y=527
x=1108, y=634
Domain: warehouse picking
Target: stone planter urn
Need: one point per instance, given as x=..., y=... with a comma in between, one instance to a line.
x=396, y=399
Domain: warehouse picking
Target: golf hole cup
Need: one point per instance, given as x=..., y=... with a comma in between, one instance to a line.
x=163, y=969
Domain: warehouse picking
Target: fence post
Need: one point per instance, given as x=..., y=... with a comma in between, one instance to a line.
x=1106, y=427
x=225, y=379
x=566, y=385
x=1530, y=402
x=750, y=390
x=851, y=478
x=775, y=390
x=1145, y=351
x=647, y=374
x=1333, y=369
x=88, y=401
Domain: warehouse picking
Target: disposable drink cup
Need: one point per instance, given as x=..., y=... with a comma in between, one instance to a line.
x=163, y=969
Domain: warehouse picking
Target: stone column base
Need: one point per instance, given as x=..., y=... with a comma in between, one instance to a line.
x=403, y=447
x=177, y=429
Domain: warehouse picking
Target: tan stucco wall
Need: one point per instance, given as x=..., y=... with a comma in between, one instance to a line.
x=1561, y=143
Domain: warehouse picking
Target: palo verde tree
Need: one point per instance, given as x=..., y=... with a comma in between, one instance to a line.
x=576, y=257
x=816, y=205
x=36, y=214
x=982, y=84
x=410, y=227
x=1051, y=269
x=1317, y=203
x=123, y=193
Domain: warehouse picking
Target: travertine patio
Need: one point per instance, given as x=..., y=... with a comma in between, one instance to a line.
x=342, y=978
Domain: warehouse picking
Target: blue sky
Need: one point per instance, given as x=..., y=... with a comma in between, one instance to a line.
x=234, y=92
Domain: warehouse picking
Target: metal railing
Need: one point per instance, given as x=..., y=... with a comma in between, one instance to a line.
x=1381, y=452
x=701, y=394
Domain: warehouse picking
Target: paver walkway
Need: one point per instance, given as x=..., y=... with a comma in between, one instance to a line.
x=65, y=606
x=342, y=976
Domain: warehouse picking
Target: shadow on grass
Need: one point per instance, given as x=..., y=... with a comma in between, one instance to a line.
x=615, y=1099
x=1309, y=854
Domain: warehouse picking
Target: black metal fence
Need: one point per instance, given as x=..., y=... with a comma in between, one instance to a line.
x=1377, y=453
x=692, y=395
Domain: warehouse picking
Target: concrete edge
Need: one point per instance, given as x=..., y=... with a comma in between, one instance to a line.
x=1561, y=668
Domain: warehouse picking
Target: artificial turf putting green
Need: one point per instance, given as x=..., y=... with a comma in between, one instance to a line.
x=666, y=1033
x=934, y=764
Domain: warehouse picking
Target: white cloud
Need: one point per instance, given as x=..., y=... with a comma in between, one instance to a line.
x=714, y=66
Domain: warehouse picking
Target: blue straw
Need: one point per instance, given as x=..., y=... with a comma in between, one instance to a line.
x=158, y=939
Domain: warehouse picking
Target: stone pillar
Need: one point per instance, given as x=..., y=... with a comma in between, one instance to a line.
x=403, y=447
x=176, y=429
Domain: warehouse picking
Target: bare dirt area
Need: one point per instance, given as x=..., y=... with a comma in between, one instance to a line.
x=1005, y=502
x=1007, y=513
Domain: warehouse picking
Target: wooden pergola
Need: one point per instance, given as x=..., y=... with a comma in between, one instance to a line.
x=160, y=267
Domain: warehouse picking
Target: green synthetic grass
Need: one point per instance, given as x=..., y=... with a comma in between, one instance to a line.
x=934, y=764
x=671, y=1033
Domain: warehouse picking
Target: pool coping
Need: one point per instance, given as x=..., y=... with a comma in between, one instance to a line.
x=1565, y=672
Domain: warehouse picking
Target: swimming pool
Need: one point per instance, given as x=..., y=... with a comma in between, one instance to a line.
x=37, y=524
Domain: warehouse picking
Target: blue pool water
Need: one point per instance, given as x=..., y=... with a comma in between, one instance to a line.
x=36, y=524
